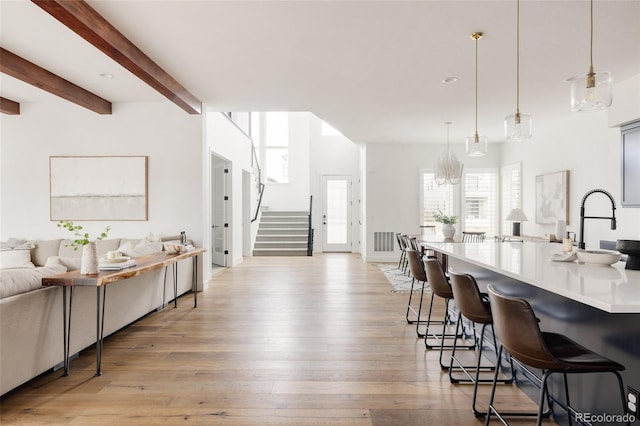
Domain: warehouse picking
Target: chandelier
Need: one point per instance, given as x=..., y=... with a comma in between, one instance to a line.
x=591, y=91
x=448, y=167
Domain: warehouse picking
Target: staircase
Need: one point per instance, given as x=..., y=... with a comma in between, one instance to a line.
x=282, y=234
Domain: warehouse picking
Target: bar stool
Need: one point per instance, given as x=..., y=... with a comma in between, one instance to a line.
x=417, y=273
x=516, y=326
x=439, y=287
x=403, y=255
x=475, y=307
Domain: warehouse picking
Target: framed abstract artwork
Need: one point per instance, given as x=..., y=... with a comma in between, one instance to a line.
x=98, y=188
x=552, y=197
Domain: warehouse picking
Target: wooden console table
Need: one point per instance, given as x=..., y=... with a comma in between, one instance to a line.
x=100, y=280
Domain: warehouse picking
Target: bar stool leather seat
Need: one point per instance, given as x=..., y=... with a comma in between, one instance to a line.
x=517, y=328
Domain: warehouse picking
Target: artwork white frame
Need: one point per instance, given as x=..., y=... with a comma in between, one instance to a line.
x=552, y=197
x=98, y=188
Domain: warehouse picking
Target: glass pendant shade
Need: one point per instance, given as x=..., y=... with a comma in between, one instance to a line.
x=591, y=92
x=518, y=127
x=476, y=145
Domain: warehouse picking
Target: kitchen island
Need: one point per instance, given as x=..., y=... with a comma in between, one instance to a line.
x=597, y=306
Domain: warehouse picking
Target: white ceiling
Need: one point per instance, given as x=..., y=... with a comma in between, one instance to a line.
x=371, y=69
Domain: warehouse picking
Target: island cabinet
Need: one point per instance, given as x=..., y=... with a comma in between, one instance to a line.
x=597, y=306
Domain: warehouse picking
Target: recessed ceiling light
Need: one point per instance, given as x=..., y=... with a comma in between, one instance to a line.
x=450, y=80
x=106, y=75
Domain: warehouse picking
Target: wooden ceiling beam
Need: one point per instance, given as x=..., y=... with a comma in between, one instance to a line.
x=20, y=68
x=90, y=25
x=7, y=106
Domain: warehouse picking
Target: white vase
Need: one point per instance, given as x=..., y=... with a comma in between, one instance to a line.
x=89, y=264
x=448, y=230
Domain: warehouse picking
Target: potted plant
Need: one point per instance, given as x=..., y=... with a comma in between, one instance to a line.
x=89, y=264
x=447, y=221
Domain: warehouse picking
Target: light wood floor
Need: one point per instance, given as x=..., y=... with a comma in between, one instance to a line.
x=316, y=340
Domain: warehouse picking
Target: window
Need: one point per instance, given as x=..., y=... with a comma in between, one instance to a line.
x=510, y=193
x=435, y=198
x=480, y=201
x=276, y=147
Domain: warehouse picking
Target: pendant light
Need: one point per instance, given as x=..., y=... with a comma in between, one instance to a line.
x=476, y=144
x=591, y=91
x=448, y=168
x=518, y=127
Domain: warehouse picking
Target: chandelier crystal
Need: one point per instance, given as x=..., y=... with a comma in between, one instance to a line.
x=518, y=127
x=591, y=91
x=448, y=168
x=476, y=144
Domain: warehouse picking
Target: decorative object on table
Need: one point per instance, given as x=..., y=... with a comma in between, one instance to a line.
x=591, y=91
x=183, y=238
x=98, y=188
x=448, y=168
x=476, y=144
x=552, y=197
x=175, y=248
x=560, y=230
x=516, y=216
x=89, y=264
x=632, y=249
x=598, y=257
x=448, y=230
x=518, y=127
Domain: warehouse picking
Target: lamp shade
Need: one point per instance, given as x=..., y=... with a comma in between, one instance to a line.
x=517, y=215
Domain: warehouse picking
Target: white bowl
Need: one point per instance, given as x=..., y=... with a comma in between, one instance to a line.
x=598, y=257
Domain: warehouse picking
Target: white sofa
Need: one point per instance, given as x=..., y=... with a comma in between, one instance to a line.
x=31, y=319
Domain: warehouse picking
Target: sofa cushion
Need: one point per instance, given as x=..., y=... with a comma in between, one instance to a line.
x=142, y=248
x=15, y=253
x=16, y=281
x=43, y=250
x=70, y=263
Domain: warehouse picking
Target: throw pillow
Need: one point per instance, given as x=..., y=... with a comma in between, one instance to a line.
x=15, y=253
x=71, y=263
x=141, y=249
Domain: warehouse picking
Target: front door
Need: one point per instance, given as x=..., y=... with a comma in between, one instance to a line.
x=336, y=213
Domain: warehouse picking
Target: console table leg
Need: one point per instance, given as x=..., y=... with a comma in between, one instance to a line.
x=174, y=269
x=66, y=327
x=194, y=281
x=100, y=327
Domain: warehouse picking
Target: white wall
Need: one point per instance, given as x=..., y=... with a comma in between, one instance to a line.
x=171, y=138
x=393, y=186
x=584, y=144
x=226, y=140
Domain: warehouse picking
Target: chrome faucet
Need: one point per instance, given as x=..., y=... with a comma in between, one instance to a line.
x=583, y=217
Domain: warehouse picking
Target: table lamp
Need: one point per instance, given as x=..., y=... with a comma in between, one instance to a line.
x=517, y=216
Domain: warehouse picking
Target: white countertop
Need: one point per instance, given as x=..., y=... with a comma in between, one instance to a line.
x=612, y=289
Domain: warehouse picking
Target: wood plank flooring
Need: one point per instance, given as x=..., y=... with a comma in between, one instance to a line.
x=316, y=340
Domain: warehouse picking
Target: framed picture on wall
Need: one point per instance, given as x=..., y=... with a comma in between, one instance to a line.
x=98, y=188
x=552, y=197
x=631, y=165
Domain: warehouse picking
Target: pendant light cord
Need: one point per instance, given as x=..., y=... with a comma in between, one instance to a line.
x=518, y=60
x=591, y=42
x=476, y=135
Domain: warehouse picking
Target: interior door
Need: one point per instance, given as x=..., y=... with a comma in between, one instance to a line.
x=218, y=209
x=336, y=213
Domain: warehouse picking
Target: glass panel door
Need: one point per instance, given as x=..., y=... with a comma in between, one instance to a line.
x=336, y=213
